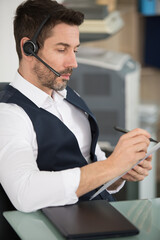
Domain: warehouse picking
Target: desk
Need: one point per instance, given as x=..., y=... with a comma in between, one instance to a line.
x=145, y=214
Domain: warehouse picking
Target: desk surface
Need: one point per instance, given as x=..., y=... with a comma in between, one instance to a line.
x=145, y=214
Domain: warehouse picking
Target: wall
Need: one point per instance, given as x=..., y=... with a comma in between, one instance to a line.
x=8, y=59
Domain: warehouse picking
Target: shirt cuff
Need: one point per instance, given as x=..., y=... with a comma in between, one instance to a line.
x=117, y=189
x=71, y=179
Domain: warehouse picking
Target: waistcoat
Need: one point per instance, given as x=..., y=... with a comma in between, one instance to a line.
x=58, y=148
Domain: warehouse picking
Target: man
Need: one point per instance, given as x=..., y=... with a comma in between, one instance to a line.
x=49, y=154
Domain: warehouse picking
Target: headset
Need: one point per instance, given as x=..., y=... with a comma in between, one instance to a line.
x=31, y=47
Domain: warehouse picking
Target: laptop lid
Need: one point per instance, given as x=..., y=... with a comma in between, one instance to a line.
x=90, y=220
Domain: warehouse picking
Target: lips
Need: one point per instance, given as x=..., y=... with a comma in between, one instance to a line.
x=66, y=76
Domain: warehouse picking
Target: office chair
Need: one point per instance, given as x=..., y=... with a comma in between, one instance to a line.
x=6, y=232
x=3, y=85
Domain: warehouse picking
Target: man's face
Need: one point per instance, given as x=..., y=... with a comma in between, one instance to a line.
x=59, y=52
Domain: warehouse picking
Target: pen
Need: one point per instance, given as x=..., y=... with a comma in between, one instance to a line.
x=126, y=131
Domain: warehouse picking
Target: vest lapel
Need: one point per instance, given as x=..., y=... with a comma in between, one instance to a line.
x=75, y=100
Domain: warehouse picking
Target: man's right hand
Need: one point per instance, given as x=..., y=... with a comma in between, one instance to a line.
x=131, y=148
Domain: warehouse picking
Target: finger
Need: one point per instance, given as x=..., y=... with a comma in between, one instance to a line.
x=149, y=158
x=129, y=178
x=145, y=164
x=138, y=131
x=142, y=146
x=140, y=171
x=126, y=140
x=141, y=139
x=135, y=176
x=139, y=155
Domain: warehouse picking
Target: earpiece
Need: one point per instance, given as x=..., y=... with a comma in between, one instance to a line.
x=30, y=47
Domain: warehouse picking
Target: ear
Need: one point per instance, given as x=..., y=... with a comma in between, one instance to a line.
x=23, y=40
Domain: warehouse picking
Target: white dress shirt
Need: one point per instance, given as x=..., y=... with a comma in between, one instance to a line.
x=29, y=188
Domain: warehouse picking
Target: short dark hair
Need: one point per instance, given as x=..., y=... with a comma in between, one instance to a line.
x=31, y=13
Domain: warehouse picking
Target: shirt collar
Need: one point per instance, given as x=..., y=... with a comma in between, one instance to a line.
x=35, y=94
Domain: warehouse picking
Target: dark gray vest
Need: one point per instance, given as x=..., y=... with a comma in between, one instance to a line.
x=58, y=148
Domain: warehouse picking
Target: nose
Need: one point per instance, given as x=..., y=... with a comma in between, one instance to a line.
x=71, y=61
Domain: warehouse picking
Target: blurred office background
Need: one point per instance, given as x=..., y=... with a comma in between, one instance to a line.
x=118, y=73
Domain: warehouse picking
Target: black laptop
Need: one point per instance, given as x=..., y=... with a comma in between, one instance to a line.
x=90, y=220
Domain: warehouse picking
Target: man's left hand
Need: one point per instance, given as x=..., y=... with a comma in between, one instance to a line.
x=139, y=172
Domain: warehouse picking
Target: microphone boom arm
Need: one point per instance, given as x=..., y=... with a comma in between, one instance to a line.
x=36, y=56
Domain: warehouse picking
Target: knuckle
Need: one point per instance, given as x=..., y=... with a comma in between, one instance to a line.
x=150, y=167
x=143, y=154
x=122, y=138
x=138, y=130
x=141, y=178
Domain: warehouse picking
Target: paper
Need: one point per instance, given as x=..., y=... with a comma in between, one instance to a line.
x=106, y=185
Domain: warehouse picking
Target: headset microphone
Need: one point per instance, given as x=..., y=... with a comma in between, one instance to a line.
x=30, y=47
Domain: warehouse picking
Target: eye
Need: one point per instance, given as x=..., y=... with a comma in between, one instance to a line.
x=61, y=50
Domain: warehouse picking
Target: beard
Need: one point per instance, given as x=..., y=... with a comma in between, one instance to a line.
x=47, y=78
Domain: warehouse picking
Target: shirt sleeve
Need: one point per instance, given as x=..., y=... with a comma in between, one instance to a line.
x=28, y=188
